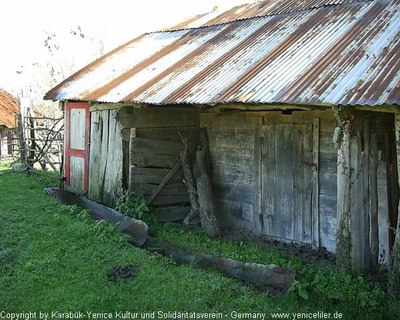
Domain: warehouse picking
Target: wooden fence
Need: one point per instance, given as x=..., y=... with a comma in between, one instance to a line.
x=38, y=141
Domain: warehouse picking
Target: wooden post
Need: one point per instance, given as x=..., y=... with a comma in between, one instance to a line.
x=357, y=200
x=394, y=263
x=343, y=237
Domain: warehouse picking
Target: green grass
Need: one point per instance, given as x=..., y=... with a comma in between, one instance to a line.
x=55, y=258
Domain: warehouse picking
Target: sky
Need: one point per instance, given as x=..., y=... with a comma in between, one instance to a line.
x=24, y=25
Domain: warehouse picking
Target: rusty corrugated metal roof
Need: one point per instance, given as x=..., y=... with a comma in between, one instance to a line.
x=9, y=107
x=279, y=51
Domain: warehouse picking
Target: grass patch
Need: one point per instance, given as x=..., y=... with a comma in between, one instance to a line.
x=56, y=258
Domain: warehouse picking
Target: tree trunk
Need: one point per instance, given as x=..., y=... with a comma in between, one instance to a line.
x=189, y=180
x=202, y=171
x=343, y=235
x=394, y=263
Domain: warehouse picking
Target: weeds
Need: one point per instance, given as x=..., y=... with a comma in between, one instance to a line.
x=134, y=205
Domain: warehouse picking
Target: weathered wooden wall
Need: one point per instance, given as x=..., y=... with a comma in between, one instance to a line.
x=105, y=157
x=236, y=169
x=155, y=147
x=231, y=140
x=154, y=152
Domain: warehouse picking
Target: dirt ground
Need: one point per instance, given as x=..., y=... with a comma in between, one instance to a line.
x=288, y=249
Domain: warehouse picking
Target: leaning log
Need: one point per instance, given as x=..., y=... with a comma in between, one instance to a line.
x=261, y=275
x=202, y=172
x=189, y=180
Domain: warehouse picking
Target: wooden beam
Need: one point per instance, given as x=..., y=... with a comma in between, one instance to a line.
x=266, y=107
x=110, y=106
x=164, y=181
x=140, y=118
x=382, y=108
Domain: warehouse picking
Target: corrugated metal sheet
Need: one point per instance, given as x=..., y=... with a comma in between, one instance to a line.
x=310, y=52
x=8, y=109
x=265, y=8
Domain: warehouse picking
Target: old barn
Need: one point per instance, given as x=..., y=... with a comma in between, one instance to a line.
x=9, y=109
x=300, y=101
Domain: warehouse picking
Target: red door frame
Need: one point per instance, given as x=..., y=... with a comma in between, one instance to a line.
x=76, y=152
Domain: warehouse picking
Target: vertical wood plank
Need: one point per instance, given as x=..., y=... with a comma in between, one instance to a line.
x=284, y=185
x=94, y=156
x=302, y=182
x=316, y=221
x=98, y=153
x=258, y=221
x=393, y=185
x=366, y=132
x=269, y=176
x=114, y=164
x=374, y=201
x=358, y=195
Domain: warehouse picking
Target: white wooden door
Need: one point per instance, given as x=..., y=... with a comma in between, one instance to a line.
x=76, y=146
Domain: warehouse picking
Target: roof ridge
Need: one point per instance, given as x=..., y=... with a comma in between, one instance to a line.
x=330, y=4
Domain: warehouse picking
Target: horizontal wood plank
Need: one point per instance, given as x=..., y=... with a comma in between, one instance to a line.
x=151, y=146
x=326, y=142
x=234, y=192
x=328, y=162
x=241, y=212
x=328, y=222
x=167, y=134
x=236, y=139
x=250, y=119
x=158, y=117
x=171, y=214
x=169, y=189
x=139, y=159
x=153, y=176
x=328, y=184
x=167, y=200
x=230, y=120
